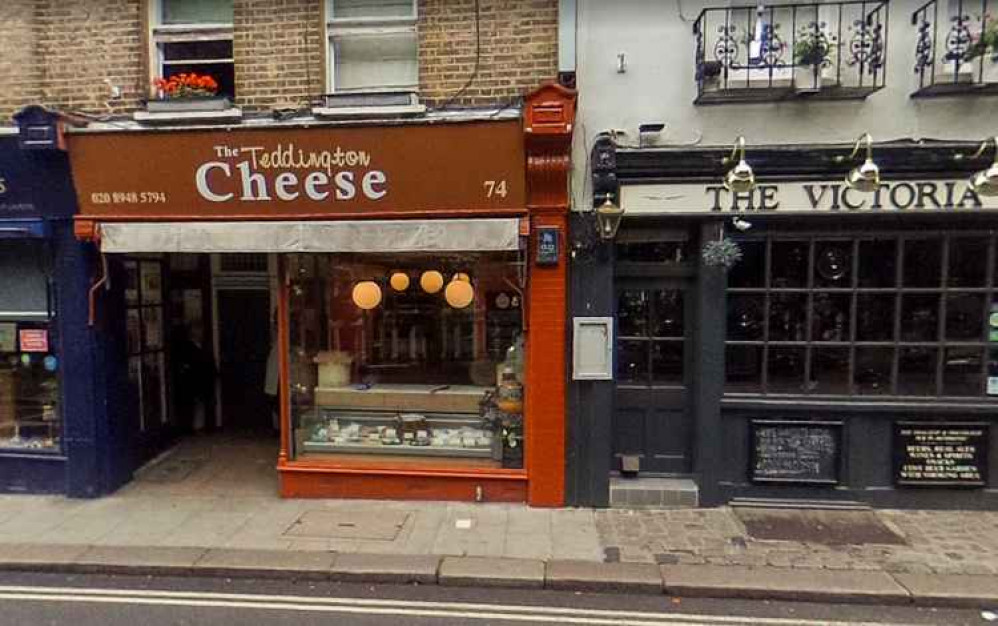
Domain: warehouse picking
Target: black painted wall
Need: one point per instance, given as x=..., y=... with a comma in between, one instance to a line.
x=590, y=402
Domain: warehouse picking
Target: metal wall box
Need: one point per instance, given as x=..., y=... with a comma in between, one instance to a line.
x=592, y=348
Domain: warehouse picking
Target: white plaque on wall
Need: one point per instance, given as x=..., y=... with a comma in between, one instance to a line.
x=592, y=348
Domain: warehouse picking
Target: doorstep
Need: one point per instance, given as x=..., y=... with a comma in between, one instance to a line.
x=653, y=493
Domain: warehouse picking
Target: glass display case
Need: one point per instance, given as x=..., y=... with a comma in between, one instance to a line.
x=423, y=434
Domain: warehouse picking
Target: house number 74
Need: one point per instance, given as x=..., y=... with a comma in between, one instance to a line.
x=495, y=188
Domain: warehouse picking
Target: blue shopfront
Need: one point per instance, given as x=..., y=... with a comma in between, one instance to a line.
x=53, y=425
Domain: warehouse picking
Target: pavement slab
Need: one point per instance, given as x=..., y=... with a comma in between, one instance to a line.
x=386, y=568
x=951, y=590
x=590, y=576
x=265, y=564
x=806, y=585
x=491, y=572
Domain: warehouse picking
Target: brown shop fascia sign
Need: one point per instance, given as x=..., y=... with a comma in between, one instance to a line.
x=322, y=173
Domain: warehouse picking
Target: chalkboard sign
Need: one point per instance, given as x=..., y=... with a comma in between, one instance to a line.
x=796, y=452
x=944, y=454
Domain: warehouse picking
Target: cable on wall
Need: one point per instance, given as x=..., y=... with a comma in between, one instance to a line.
x=478, y=57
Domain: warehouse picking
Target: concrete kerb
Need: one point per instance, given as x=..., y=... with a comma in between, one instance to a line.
x=233, y=563
x=596, y=576
x=765, y=583
x=399, y=569
x=774, y=583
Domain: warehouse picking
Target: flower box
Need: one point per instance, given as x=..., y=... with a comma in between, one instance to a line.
x=755, y=78
x=185, y=105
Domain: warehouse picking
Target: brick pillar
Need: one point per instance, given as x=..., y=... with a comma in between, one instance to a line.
x=548, y=120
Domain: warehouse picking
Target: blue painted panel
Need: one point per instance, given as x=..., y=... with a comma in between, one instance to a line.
x=34, y=183
x=37, y=200
x=32, y=228
x=32, y=474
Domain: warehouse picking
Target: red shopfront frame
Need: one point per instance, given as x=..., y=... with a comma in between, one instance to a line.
x=117, y=183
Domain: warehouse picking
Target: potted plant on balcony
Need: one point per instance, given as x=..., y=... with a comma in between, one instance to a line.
x=812, y=51
x=187, y=92
x=985, y=48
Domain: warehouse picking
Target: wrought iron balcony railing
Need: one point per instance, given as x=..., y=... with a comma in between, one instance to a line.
x=834, y=50
x=956, y=50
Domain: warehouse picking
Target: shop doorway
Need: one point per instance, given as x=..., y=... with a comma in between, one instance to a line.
x=652, y=418
x=243, y=346
x=220, y=337
x=243, y=306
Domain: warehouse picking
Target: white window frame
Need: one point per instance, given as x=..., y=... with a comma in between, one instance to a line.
x=341, y=27
x=161, y=33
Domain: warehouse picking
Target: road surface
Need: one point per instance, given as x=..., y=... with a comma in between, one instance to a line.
x=57, y=599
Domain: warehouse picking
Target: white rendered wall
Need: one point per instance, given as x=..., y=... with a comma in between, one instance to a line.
x=659, y=86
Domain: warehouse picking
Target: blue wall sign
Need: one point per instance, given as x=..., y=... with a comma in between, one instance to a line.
x=548, y=246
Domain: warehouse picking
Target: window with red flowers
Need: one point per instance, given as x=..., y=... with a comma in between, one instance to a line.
x=194, y=38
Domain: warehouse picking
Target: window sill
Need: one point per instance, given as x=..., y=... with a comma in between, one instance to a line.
x=34, y=454
x=405, y=110
x=182, y=117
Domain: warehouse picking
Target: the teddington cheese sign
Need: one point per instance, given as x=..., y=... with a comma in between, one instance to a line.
x=805, y=197
x=286, y=173
x=299, y=173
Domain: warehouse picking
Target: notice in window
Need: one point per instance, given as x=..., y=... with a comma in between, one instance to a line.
x=34, y=340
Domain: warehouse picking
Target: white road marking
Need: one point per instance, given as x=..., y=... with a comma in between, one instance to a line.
x=453, y=610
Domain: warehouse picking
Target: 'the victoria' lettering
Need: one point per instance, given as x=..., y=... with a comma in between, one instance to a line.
x=839, y=197
x=247, y=171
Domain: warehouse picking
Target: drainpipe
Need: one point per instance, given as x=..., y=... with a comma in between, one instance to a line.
x=567, y=29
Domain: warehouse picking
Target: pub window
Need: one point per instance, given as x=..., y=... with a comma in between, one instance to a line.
x=372, y=46
x=195, y=36
x=901, y=314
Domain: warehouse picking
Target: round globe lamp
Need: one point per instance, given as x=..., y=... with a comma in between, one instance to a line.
x=399, y=281
x=431, y=281
x=459, y=294
x=367, y=295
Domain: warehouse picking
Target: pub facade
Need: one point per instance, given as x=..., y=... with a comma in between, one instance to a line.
x=797, y=311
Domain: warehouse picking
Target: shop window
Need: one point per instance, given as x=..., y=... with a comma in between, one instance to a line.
x=195, y=36
x=900, y=314
x=30, y=418
x=407, y=358
x=372, y=46
x=145, y=340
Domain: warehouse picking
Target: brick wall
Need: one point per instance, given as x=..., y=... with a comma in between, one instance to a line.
x=519, y=49
x=278, y=47
x=18, y=71
x=68, y=53
x=84, y=47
